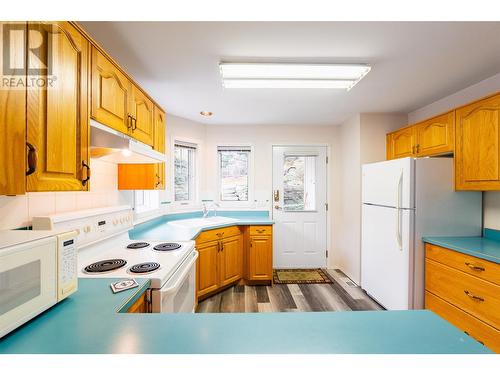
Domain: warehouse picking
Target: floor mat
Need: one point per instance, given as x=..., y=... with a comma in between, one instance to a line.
x=300, y=276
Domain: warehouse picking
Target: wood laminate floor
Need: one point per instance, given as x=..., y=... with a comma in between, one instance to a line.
x=341, y=295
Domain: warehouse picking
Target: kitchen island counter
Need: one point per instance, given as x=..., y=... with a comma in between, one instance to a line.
x=89, y=321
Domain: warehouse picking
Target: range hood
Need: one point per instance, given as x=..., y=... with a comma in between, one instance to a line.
x=109, y=145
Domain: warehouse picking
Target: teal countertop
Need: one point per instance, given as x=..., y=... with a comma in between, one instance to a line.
x=89, y=322
x=486, y=247
x=159, y=228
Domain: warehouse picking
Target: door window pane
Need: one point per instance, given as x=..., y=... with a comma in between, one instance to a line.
x=234, y=167
x=299, y=183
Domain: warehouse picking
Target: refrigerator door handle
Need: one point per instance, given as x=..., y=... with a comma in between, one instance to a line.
x=399, y=224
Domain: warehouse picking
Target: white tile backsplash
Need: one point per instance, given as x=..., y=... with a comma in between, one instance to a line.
x=17, y=211
x=13, y=211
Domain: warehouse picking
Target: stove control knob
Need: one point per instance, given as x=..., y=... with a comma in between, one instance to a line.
x=115, y=221
x=86, y=228
x=121, y=220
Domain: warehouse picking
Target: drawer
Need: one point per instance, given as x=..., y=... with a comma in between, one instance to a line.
x=261, y=230
x=473, y=266
x=480, y=331
x=217, y=234
x=477, y=297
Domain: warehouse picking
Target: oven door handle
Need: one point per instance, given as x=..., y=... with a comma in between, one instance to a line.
x=186, y=269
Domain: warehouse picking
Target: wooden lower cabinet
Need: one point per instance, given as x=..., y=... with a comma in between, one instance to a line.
x=465, y=291
x=228, y=255
x=140, y=306
x=207, y=267
x=260, y=256
x=230, y=260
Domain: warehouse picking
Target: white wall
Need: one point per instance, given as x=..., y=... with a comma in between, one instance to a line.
x=491, y=209
x=361, y=140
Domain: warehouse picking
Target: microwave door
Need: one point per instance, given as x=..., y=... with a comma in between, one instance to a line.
x=27, y=282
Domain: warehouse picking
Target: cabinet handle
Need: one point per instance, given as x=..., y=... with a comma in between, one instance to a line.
x=134, y=123
x=472, y=296
x=260, y=230
x=474, y=268
x=157, y=180
x=251, y=243
x=85, y=180
x=129, y=122
x=32, y=159
x=220, y=234
x=418, y=148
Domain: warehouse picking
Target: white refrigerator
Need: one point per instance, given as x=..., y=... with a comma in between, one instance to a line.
x=402, y=201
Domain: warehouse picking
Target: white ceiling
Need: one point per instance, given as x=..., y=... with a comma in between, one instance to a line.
x=413, y=64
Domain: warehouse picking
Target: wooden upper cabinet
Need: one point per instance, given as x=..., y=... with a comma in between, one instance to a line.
x=13, y=125
x=401, y=143
x=436, y=136
x=231, y=260
x=57, y=114
x=141, y=110
x=159, y=145
x=477, y=153
x=110, y=93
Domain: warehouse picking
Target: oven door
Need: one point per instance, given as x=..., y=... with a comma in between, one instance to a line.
x=179, y=293
x=27, y=282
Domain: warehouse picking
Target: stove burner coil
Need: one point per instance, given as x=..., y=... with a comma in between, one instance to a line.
x=105, y=265
x=144, y=267
x=137, y=245
x=168, y=246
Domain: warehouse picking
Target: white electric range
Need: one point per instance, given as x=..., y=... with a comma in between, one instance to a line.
x=105, y=250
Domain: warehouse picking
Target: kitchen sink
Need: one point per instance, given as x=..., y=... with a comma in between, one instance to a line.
x=202, y=222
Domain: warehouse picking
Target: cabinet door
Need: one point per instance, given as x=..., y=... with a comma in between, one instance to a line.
x=477, y=150
x=402, y=143
x=260, y=259
x=206, y=267
x=110, y=94
x=231, y=260
x=159, y=145
x=57, y=113
x=141, y=110
x=13, y=124
x=436, y=136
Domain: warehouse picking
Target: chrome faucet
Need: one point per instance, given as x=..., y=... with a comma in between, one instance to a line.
x=206, y=210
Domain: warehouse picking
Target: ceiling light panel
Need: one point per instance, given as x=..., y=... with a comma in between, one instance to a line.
x=267, y=75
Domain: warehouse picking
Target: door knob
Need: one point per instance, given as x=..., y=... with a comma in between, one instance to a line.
x=277, y=207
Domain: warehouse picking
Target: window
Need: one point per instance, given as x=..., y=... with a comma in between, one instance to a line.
x=184, y=171
x=146, y=200
x=234, y=166
x=299, y=183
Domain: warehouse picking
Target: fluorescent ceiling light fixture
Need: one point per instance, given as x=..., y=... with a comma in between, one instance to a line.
x=274, y=75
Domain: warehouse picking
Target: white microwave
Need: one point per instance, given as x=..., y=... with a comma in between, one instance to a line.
x=37, y=270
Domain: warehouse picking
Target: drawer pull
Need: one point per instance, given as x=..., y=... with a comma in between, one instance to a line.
x=472, y=296
x=220, y=234
x=473, y=267
x=261, y=230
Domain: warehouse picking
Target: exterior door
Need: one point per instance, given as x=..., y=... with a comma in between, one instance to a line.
x=299, y=206
x=57, y=115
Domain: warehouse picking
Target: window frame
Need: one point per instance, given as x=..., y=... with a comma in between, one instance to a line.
x=236, y=204
x=195, y=179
